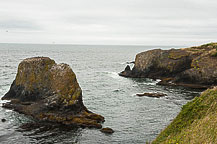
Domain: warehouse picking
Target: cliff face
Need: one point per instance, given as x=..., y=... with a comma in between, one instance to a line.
x=49, y=92
x=194, y=67
x=196, y=123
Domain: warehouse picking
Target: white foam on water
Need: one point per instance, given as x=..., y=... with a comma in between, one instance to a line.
x=113, y=75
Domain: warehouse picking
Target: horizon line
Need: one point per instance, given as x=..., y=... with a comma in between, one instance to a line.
x=89, y=44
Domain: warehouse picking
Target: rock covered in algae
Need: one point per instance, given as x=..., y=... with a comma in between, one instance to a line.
x=194, y=67
x=157, y=63
x=49, y=92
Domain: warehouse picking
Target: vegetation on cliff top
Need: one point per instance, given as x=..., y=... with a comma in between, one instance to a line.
x=196, y=123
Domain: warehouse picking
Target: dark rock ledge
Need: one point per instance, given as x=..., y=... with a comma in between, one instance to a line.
x=49, y=92
x=194, y=67
x=156, y=95
x=107, y=130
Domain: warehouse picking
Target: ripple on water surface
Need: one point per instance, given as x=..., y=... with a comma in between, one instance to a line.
x=134, y=119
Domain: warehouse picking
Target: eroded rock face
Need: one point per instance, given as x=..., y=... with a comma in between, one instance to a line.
x=187, y=67
x=203, y=71
x=157, y=63
x=49, y=92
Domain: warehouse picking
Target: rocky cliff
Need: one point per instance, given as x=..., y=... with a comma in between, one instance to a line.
x=49, y=92
x=192, y=67
x=196, y=123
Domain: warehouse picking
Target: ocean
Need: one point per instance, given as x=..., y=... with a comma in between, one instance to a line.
x=134, y=119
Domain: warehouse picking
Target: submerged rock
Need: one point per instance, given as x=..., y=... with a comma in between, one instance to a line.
x=191, y=67
x=157, y=95
x=107, y=130
x=49, y=92
x=3, y=120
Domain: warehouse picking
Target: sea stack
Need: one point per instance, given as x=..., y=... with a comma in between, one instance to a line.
x=194, y=67
x=49, y=92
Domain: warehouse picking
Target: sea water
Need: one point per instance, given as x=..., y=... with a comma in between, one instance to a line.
x=134, y=119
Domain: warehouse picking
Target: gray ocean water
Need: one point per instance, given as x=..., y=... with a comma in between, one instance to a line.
x=135, y=119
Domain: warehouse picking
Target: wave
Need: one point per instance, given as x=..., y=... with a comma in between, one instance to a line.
x=113, y=75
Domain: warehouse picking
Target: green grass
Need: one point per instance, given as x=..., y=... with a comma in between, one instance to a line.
x=210, y=44
x=184, y=129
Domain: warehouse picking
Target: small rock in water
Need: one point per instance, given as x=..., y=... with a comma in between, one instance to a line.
x=107, y=130
x=3, y=120
x=157, y=95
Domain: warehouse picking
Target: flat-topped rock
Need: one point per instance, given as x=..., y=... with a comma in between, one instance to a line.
x=49, y=92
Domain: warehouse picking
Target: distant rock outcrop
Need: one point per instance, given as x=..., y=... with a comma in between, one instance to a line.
x=191, y=67
x=49, y=92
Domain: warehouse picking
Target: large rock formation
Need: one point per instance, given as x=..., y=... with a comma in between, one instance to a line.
x=192, y=67
x=49, y=92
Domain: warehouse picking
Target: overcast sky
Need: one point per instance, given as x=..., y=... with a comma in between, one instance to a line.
x=140, y=22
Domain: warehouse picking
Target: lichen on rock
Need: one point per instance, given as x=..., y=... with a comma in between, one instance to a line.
x=191, y=67
x=49, y=92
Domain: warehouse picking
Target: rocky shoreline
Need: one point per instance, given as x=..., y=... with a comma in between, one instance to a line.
x=50, y=93
x=194, y=67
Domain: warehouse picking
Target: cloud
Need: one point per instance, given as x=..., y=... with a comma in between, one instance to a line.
x=154, y=22
x=18, y=24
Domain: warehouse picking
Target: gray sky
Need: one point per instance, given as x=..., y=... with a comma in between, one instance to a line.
x=140, y=22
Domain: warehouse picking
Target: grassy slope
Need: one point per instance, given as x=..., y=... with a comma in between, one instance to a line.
x=196, y=123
